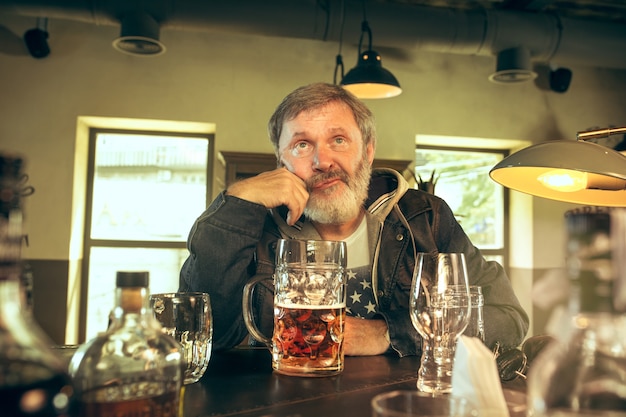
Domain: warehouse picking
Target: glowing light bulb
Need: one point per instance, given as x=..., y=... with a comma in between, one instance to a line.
x=564, y=180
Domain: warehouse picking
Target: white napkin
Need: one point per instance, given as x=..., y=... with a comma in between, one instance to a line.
x=475, y=377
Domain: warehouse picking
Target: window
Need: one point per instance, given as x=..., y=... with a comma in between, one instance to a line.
x=461, y=178
x=145, y=189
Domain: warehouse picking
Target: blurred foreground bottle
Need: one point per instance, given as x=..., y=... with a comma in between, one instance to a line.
x=33, y=379
x=132, y=369
x=585, y=375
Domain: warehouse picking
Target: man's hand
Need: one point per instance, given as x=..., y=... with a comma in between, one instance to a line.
x=273, y=189
x=365, y=337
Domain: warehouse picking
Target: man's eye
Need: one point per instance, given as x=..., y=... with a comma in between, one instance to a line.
x=301, y=149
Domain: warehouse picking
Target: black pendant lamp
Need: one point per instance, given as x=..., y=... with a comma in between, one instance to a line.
x=369, y=79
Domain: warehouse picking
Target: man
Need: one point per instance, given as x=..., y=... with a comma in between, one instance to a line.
x=324, y=188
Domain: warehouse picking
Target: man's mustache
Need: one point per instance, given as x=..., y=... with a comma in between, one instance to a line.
x=325, y=176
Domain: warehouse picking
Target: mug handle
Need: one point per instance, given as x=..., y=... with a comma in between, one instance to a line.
x=248, y=316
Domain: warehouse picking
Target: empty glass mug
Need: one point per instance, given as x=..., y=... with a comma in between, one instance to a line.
x=476, y=325
x=186, y=316
x=401, y=403
x=309, y=308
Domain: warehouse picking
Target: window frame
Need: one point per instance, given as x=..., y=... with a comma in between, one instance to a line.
x=504, y=251
x=89, y=243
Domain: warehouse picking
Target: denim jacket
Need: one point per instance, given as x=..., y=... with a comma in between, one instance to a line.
x=235, y=240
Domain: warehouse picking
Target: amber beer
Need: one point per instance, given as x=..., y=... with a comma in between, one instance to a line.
x=309, y=308
x=308, y=339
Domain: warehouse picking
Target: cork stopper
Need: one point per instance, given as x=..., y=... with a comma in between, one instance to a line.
x=132, y=285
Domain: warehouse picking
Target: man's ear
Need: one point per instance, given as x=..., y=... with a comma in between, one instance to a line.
x=370, y=152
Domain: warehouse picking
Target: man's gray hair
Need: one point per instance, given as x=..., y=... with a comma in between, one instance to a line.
x=314, y=96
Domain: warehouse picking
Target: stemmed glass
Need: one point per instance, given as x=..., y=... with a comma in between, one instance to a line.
x=440, y=309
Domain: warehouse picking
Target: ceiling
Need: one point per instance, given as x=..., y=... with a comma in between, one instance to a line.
x=555, y=32
x=600, y=10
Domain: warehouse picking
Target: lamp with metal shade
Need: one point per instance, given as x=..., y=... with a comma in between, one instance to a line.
x=571, y=171
x=369, y=79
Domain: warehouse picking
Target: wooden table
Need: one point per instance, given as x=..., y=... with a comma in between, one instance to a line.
x=240, y=382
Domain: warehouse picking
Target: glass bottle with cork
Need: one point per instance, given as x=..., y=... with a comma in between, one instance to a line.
x=132, y=368
x=584, y=373
x=33, y=379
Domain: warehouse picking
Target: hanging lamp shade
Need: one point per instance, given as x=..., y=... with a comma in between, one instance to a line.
x=369, y=79
x=571, y=171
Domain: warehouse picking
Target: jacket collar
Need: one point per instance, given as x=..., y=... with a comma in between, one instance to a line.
x=387, y=186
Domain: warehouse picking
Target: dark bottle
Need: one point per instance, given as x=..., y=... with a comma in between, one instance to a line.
x=133, y=369
x=33, y=379
x=584, y=374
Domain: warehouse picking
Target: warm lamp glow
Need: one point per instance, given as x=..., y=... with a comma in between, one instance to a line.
x=372, y=90
x=567, y=180
x=564, y=180
x=571, y=171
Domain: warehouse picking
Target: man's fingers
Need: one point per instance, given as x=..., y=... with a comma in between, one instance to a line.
x=272, y=189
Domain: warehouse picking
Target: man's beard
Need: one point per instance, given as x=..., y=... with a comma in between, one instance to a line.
x=342, y=208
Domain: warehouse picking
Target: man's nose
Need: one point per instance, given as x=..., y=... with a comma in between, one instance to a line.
x=322, y=159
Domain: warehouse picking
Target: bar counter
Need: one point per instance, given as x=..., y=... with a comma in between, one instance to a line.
x=240, y=382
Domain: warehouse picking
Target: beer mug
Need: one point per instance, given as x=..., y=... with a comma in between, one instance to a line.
x=187, y=317
x=309, y=308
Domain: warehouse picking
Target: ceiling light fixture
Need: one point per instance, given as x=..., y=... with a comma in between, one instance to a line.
x=36, y=39
x=513, y=66
x=369, y=79
x=572, y=171
x=139, y=35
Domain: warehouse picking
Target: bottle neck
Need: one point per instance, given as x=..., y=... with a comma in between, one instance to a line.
x=132, y=303
x=595, y=244
x=10, y=239
x=11, y=296
x=590, y=294
x=12, y=300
